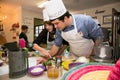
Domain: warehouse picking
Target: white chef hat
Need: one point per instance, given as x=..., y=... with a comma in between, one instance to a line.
x=55, y=9
x=45, y=15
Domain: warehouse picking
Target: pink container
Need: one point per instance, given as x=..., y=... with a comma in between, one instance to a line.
x=115, y=72
x=22, y=43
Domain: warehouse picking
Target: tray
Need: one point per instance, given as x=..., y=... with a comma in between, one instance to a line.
x=81, y=70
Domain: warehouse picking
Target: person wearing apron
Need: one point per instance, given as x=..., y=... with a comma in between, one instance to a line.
x=47, y=37
x=79, y=46
x=80, y=31
x=49, y=43
x=44, y=35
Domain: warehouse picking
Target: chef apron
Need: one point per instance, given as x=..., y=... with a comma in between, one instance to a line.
x=49, y=44
x=79, y=46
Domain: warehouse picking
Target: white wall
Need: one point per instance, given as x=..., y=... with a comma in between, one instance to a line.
x=28, y=19
x=108, y=11
x=12, y=18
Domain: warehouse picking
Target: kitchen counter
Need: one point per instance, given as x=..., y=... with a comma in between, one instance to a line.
x=28, y=77
x=4, y=73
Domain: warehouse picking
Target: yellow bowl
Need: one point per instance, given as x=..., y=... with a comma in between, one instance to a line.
x=65, y=64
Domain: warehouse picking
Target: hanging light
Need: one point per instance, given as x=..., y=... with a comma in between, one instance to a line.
x=41, y=3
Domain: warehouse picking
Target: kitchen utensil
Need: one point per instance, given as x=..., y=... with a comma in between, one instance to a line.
x=18, y=63
x=103, y=51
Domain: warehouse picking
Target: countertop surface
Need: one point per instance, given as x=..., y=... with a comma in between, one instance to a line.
x=4, y=73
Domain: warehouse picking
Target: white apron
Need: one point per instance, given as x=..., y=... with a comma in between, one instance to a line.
x=49, y=44
x=79, y=46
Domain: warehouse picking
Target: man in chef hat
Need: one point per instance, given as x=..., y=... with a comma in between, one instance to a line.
x=80, y=31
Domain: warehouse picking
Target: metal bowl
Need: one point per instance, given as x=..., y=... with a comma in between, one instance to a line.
x=37, y=72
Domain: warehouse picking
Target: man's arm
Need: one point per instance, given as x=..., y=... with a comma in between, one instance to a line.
x=61, y=50
x=53, y=51
x=63, y=47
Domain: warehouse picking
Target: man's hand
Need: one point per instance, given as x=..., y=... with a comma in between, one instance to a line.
x=41, y=59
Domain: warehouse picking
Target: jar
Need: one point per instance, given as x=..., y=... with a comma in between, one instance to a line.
x=52, y=72
x=59, y=64
x=54, y=69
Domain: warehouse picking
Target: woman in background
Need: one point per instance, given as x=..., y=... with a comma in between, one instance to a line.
x=23, y=35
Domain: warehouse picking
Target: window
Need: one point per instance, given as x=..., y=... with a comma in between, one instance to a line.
x=38, y=26
x=37, y=30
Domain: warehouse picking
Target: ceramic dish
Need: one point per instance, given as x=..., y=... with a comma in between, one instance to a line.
x=74, y=64
x=36, y=70
x=87, y=71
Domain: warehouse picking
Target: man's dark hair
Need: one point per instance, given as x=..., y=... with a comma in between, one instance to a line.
x=24, y=27
x=67, y=14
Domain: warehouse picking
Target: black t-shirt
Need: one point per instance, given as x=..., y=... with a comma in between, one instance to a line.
x=42, y=38
x=24, y=36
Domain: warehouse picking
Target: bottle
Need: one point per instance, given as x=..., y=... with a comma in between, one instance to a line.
x=66, y=52
x=58, y=62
